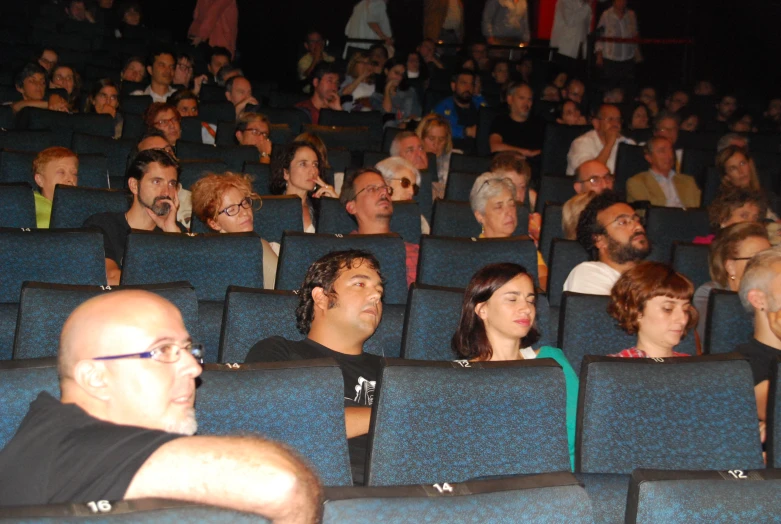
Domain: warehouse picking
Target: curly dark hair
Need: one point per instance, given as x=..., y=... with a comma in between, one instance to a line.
x=283, y=161
x=323, y=274
x=589, y=226
x=470, y=340
x=731, y=199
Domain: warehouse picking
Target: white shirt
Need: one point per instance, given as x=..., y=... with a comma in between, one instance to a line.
x=668, y=188
x=453, y=17
x=593, y=278
x=570, y=27
x=587, y=147
x=365, y=12
x=615, y=27
x=155, y=96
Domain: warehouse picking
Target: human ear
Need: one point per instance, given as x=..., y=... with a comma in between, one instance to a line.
x=480, y=311
x=319, y=298
x=91, y=377
x=350, y=207
x=757, y=299
x=132, y=185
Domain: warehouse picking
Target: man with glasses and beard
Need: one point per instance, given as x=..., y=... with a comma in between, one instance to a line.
x=461, y=110
x=153, y=179
x=614, y=238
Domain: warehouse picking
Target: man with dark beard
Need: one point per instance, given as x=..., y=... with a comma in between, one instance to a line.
x=461, y=110
x=153, y=178
x=614, y=238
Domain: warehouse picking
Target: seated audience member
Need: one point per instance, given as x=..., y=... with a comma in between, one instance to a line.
x=613, y=96
x=104, y=100
x=219, y=58
x=47, y=59
x=428, y=53
x=378, y=55
x=183, y=74
x=726, y=105
x=732, y=139
x=500, y=78
x=165, y=118
x=661, y=184
x=155, y=139
x=690, y=120
x=550, y=93
x=667, y=125
x=512, y=165
x=409, y=146
x=136, y=341
x=518, y=130
x=31, y=84
x=704, y=88
x=499, y=323
x=434, y=133
x=226, y=203
x=461, y=109
x=570, y=213
x=238, y=91
x=677, y=100
x=325, y=92
x=134, y=70
x=737, y=170
x=733, y=207
x=52, y=166
x=614, y=239
x=728, y=255
x=404, y=179
x=358, y=83
x=64, y=77
x=187, y=105
x=315, y=53
x=160, y=66
x=637, y=116
x=493, y=203
x=570, y=115
x=601, y=143
x=339, y=309
x=315, y=141
x=575, y=91
x=648, y=97
x=771, y=118
x=130, y=20
x=297, y=172
x=478, y=52
x=760, y=294
x=227, y=72
x=253, y=129
x=593, y=175
x=395, y=97
x=741, y=122
x=367, y=197
x=77, y=11
x=654, y=302
x=153, y=179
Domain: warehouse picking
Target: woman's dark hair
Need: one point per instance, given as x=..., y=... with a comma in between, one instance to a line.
x=281, y=162
x=139, y=165
x=470, y=340
x=629, y=112
x=323, y=273
x=89, y=107
x=379, y=80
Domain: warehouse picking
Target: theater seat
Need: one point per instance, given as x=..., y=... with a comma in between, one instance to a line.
x=20, y=383
x=558, y=139
x=17, y=206
x=73, y=205
x=456, y=219
x=727, y=324
x=692, y=261
x=665, y=225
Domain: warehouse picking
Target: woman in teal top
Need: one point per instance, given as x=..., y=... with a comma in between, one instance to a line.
x=498, y=323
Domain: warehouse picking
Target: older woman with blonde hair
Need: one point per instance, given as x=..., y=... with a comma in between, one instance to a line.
x=435, y=133
x=358, y=83
x=226, y=204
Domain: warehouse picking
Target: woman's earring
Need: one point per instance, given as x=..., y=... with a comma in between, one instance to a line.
x=732, y=277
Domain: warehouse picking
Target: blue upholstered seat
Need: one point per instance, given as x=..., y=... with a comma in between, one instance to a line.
x=17, y=205
x=691, y=260
x=727, y=324
x=73, y=205
x=20, y=383
x=665, y=225
x=456, y=219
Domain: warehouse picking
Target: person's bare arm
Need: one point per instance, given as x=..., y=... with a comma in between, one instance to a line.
x=610, y=140
x=760, y=390
x=497, y=144
x=356, y=420
x=112, y=272
x=242, y=473
x=18, y=106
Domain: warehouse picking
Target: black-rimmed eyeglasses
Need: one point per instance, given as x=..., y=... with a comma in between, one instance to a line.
x=374, y=189
x=234, y=209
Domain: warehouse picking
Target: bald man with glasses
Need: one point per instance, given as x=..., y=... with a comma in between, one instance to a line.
x=123, y=427
x=593, y=175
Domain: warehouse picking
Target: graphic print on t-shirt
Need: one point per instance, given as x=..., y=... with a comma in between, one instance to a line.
x=364, y=392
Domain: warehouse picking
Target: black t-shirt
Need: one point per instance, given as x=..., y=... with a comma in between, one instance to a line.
x=528, y=134
x=359, y=372
x=761, y=357
x=61, y=454
x=467, y=116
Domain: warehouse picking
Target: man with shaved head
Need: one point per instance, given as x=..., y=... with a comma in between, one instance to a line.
x=121, y=430
x=593, y=175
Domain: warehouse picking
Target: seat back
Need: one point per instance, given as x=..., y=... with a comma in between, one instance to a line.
x=232, y=156
x=295, y=118
x=17, y=206
x=261, y=176
x=260, y=399
x=630, y=160
x=300, y=250
x=665, y=225
x=153, y=258
x=73, y=205
x=43, y=309
x=191, y=129
x=277, y=214
x=773, y=421
x=695, y=162
x=61, y=257
x=135, y=104
x=431, y=319
x=451, y=262
x=194, y=170
x=116, y=151
x=691, y=260
x=690, y=396
x=217, y=111
x=350, y=138
x=470, y=163
x=556, y=189
x=459, y=185
x=372, y=120
x=20, y=383
x=585, y=328
x=93, y=171
x=421, y=408
x=727, y=324
x=26, y=140
x=334, y=219
x=555, y=147
x=678, y=497
x=543, y=498
x=564, y=256
x=456, y=219
x=551, y=228
x=485, y=118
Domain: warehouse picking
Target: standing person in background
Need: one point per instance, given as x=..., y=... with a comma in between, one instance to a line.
x=443, y=20
x=570, y=28
x=506, y=20
x=618, y=59
x=215, y=22
x=369, y=21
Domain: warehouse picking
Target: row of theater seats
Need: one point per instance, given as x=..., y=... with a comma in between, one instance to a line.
x=437, y=423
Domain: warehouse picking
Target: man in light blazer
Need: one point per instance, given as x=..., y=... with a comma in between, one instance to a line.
x=661, y=185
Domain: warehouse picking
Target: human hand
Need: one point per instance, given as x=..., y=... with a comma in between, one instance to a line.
x=243, y=104
x=471, y=131
x=333, y=102
x=612, y=134
x=600, y=60
x=198, y=82
x=530, y=153
x=195, y=40
x=167, y=222
x=58, y=103
x=324, y=190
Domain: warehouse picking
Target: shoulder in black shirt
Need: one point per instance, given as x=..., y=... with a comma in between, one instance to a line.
x=761, y=357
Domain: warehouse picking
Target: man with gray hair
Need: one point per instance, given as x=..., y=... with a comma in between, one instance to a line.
x=760, y=294
x=409, y=146
x=731, y=139
x=404, y=179
x=518, y=130
x=667, y=124
x=662, y=185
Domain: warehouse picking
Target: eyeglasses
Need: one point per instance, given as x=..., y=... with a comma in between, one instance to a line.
x=740, y=258
x=596, y=179
x=256, y=132
x=167, y=353
x=406, y=182
x=625, y=220
x=233, y=210
x=113, y=98
x=165, y=122
x=186, y=67
x=374, y=189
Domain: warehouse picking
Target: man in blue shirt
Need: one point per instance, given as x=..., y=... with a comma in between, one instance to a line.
x=461, y=110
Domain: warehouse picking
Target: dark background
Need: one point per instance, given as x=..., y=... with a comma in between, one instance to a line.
x=737, y=44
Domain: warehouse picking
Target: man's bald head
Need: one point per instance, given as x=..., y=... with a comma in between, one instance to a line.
x=593, y=175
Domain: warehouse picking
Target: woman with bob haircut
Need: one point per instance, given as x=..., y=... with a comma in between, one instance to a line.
x=498, y=323
x=434, y=131
x=225, y=203
x=654, y=302
x=729, y=253
x=737, y=170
